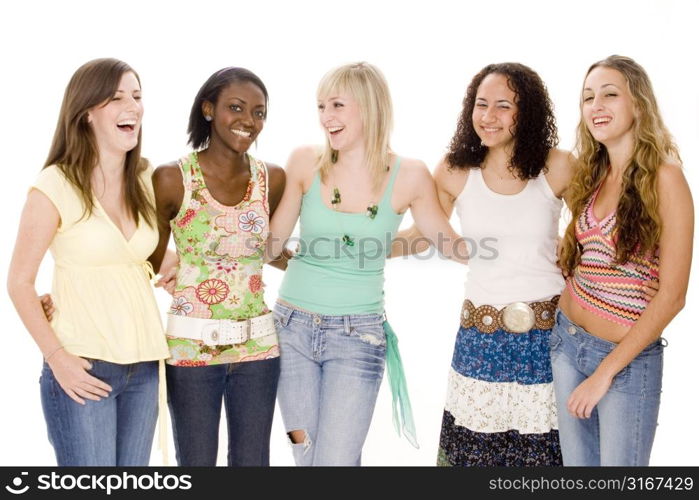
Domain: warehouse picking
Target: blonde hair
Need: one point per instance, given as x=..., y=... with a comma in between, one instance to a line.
x=638, y=223
x=366, y=84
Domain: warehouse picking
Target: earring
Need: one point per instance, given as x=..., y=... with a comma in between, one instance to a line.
x=208, y=118
x=333, y=156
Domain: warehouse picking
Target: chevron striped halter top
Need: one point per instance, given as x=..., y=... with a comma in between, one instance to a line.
x=611, y=291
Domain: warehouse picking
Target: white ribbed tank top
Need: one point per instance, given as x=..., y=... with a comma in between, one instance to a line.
x=512, y=239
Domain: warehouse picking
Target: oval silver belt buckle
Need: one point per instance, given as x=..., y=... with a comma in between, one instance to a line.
x=518, y=317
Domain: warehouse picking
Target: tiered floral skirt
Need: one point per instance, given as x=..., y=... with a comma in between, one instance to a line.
x=500, y=408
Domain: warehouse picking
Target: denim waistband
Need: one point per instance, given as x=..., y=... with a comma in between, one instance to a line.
x=287, y=312
x=583, y=335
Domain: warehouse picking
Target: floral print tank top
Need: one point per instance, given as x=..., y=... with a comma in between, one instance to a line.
x=221, y=252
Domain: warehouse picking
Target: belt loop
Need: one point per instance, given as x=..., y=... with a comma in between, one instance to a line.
x=346, y=321
x=284, y=320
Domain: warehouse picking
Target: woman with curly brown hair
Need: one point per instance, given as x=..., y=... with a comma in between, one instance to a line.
x=506, y=180
x=632, y=220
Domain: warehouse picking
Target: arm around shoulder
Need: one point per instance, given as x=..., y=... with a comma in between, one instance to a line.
x=560, y=166
x=299, y=168
x=169, y=193
x=277, y=182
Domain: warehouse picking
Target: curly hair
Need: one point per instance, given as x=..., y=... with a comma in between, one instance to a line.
x=534, y=108
x=638, y=223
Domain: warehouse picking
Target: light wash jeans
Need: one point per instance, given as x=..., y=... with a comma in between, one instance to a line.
x=331, y=370
x=622, y=426
x=115, y=431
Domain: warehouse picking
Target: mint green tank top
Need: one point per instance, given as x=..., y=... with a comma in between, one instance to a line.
x=329, y=276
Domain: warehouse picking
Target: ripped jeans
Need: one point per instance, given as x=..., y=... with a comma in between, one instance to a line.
x=331, y=370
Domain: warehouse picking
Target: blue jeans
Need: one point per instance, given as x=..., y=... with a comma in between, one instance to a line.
x=195, y=395
x=115, y=431
x=622, y=426
x=332, y=368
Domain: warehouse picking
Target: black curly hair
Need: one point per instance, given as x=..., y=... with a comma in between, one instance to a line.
x=533, y=140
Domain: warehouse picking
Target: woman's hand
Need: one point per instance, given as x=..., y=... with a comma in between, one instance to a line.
x=650, y=288
x=168, y=280
x=586, y=396
x=47, y=306
x=71, y=374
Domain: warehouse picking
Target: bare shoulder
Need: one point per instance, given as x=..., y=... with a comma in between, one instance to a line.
x=560, y=160
x=413, y=168
x=672, y=183
x=450, y=179
x=168, y=186
x=302, y=161
x=670, y=174
x=168, y=173
x=274, y=170
x=277, y=176
x=560, y=166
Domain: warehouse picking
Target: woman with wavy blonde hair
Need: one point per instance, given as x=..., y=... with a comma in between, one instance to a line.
x=632, y=221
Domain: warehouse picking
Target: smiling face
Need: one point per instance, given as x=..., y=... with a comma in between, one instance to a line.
x=341, y=120
x=607, y=106
x=116, y=123
x=494, y=112
x=238, y=115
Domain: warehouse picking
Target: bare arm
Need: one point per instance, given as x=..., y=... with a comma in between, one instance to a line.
x=287, y=212
x=277, y=183
x=410, y=241
x=38, y=225
x=430, y=219
x=169, y=192
x=560, y=170
x=677, y=216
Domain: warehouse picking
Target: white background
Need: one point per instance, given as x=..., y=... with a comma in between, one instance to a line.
x=428, y=51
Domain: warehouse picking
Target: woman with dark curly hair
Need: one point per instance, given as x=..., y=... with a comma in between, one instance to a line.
x=506, y=180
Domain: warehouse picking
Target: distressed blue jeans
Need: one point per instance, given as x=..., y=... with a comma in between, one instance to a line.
x=115, y=431
x=622, y=426
x=331, y=372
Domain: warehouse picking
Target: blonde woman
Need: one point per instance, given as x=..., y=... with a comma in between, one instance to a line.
x=351, y=195
x=632, y=220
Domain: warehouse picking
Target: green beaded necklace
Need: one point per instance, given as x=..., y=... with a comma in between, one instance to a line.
x=371, y=212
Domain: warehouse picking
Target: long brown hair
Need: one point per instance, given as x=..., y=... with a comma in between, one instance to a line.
x=74, y=148
x=638, y=223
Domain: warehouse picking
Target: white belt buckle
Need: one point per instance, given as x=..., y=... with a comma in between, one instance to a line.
x=211, y=333
x=518, y=317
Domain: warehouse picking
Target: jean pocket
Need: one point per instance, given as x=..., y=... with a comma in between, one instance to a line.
x=373, y=335
x=554, y=341
x=277, y=322
x=643, y=376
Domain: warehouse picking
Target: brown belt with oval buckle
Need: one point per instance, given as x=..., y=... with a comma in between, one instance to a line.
x=518, y=317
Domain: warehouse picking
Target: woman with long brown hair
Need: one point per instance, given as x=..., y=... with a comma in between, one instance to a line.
x=632, y=221
x=92, y=205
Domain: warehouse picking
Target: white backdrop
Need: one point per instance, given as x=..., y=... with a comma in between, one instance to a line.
x=428, y=52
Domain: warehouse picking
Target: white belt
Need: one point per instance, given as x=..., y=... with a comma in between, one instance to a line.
x=220, y=331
